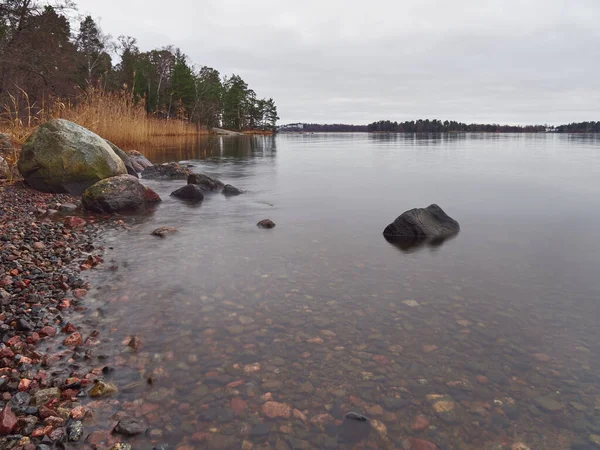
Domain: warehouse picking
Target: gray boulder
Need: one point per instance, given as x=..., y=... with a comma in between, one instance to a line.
x=421, y=223
x=61, y=156
x=205, y=182
x=122, y=193
x=170, y=171
x=129, y=165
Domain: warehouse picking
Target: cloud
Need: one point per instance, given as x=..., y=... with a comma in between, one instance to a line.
x=509, y=61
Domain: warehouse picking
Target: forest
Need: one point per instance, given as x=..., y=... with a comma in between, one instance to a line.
x=51, y=58
x=437, y=126
x=581, y=127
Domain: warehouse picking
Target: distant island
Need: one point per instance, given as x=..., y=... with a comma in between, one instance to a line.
x=438, y=126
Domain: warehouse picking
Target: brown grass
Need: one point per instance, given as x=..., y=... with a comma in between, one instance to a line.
x=115, y=116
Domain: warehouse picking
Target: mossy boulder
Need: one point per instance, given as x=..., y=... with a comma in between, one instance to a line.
x=116, y=194
x=61, y=156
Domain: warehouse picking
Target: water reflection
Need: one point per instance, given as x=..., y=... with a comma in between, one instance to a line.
x=211, y=147
x=266, y=339
x=412, y=244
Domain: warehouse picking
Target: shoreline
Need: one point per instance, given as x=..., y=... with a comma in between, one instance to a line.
x=47, y=358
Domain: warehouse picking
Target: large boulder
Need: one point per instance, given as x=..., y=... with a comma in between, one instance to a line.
x=129, y=164
x=169, y=171
x=421, y=223
x=122, y=193
x=61, y=156
x=205, y=182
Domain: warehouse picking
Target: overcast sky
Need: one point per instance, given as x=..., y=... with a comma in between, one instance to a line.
x=326, y=61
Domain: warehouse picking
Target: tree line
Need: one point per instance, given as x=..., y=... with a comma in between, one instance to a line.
x=581, y=127
x=437, y=126
x=43, y=56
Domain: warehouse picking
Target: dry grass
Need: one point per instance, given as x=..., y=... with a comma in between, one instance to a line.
x=115, y=116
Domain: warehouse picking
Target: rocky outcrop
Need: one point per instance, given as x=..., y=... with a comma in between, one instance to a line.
x=131, y=169
x=205, y=182
x=422, y=223
x=116, y=194
x=189, y=192
x=139, y=160
x=170, y=171
x=61, y=156
x=230, y=190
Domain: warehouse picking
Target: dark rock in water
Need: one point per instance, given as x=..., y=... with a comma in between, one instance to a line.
x=421, y=226
x=139, y=161
x=355, y=428
x=431, y=222
x=266, y=223
x=164, y=231
x=129, y=427
x=230, y=190
x=205, y=182
x=122, y=193
x=189, y=192
x=355, y=416
x=61, y=156
x=259, y=430
x=124, y=157
x=171, y=171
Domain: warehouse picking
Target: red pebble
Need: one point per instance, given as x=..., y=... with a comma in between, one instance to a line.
x=8, y=421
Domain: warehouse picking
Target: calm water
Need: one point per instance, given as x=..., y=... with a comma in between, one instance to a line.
x=499, y=345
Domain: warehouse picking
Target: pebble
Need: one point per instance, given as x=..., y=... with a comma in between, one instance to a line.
x=274, y=410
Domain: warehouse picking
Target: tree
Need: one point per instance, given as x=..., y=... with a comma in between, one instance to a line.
x=183, y=86
x=93, y=46
x=208, y=97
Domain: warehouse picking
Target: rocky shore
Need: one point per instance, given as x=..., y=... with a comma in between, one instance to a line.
x=44, y=249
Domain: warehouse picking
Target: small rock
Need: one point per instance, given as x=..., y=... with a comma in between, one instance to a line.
x=548, y=404
x=411, y=303
x=428, y=348
x=74, y=222
x=266, y=223
x=164, y=231
x=419, y=444
x=75, y=431
x=102, y=389
x=43, y=396
x=67, y=207
x=230, y=190
x=419, y=423
x=189, y=192
x=121, y=446
x=8, y=421
x=355, y=416
x=129, y=427
x=74, y=340
x=274, y=410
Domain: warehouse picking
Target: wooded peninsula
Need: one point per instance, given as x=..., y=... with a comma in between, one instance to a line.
x=52, y=65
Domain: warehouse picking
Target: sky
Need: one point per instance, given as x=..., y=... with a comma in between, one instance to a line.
x=345, y=61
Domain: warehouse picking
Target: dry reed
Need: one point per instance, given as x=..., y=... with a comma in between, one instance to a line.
x=115, y=116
